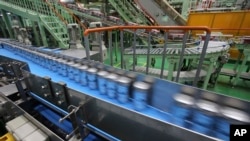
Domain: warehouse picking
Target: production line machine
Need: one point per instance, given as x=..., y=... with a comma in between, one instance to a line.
x=241, y=67
x=58, y=97
x=215, y=49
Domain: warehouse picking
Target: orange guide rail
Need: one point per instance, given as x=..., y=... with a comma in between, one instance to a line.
x=204, y=28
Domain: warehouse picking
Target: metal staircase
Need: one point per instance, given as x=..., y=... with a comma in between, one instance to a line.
x=48, y=14
x=129, y=12
x=56, y=22
x=57, y=30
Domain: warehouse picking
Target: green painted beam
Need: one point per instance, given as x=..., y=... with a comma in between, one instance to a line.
x=3, y=31
x=120, y=10
x=36, y=34
x=32, y=15
x=42, y=34
x=7, y=23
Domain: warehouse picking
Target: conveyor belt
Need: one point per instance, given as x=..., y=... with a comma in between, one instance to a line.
x=184, y=75
x=54, y=118
x=151, y=112
x=213, y=47
x=232, y=73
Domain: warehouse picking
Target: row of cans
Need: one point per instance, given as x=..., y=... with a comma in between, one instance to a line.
x=205, y=115
x=115, y=83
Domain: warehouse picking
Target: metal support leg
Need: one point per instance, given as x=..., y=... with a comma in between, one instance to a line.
x=110, y=48
x=122, y=49
x=209, y=72
x=7, y=23
x=148, y=51
x=171, y=69
x=238, y=60
x=116, y=44
x=164, y=54
x=181, y=56
x=37, y=41
x=202, y=57
x=3, y=31
x=134, y=50
x=21, y=90
x=86, y=40
x=43, y=35
x=244, y=61
x=22, y=22
x=100, y=47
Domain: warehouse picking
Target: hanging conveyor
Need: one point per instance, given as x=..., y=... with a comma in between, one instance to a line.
x=161, y=12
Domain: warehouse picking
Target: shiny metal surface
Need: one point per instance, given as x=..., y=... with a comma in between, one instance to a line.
x=207, y=106
x=184, y=99
x=115, y=119
x=124, y=80
x=130, y=125
x=141, y=85
x=102, y=73
x=235, y=115
x=15, y=110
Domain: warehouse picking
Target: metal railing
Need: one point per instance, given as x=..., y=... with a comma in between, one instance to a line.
x=166, y=30
x=74, y=17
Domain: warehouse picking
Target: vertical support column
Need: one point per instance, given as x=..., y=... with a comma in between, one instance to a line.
x=22, y=22
x=148, y=51
x=134, y=51
x=3, y=31
x=171, y=66
x=240, y=70
x=209, y=72
x=43, y=35
x=7, y=23
x=122, y=48
x=202, y=57
x=110, y=48
x=86, y=40
x=100, y=47
x=2, y=26
x=164, y=54
x=37, y=41
x=238, y=59
x=116, y=44
x=181, y=56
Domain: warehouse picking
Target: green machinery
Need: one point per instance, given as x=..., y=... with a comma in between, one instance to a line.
x=129, y=12
x=51, y=24
x=47, y=21
x=242, y=65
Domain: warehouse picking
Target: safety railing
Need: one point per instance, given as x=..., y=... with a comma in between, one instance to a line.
x=55, y=11
x=38, y=6
x=76, y=19
x=166, y=29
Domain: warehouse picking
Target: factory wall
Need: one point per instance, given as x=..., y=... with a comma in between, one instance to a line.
x=234, y=22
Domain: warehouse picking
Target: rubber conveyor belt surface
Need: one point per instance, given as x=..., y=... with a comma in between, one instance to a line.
x=54, y=118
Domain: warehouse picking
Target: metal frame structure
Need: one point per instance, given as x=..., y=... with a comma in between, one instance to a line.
x=174, y=58
x=98, y=113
